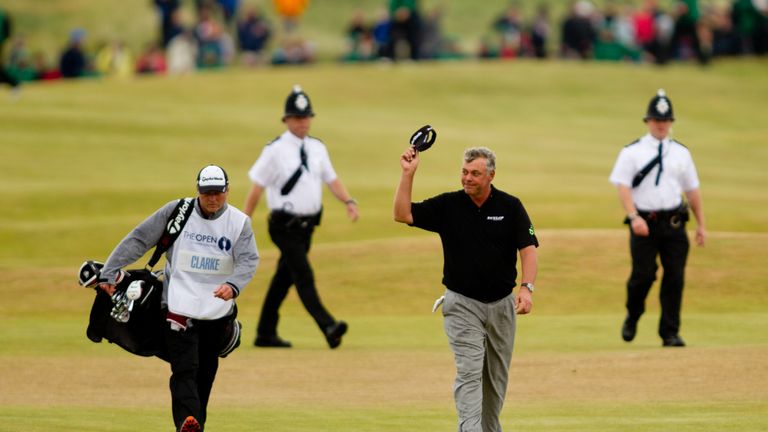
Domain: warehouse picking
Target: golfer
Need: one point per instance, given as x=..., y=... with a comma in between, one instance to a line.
x=482, y=230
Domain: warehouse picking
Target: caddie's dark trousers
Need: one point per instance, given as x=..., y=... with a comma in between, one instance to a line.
x=194, y=358
x=671, y=245
x=293, y=238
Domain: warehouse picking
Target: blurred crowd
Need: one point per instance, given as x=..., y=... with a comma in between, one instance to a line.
x=224, y=32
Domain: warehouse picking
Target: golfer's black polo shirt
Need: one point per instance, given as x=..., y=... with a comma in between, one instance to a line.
x=480, y=244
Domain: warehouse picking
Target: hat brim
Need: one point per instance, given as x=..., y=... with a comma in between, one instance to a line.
x=286, y=115
x=208, y=189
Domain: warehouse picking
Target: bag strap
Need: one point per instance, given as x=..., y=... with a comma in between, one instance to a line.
x=640, y=176
x=173, y=227
x=288, y=186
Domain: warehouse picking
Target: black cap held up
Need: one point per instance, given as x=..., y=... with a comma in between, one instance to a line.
x=297, y=104
x=660, y=107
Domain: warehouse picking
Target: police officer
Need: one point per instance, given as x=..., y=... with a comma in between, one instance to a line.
x=292, y=169
x=208, y=265
x=652, y=174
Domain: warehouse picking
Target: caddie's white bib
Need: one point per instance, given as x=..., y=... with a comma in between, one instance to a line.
x=202, y=260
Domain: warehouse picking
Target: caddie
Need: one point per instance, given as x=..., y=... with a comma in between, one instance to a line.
x=209, y=264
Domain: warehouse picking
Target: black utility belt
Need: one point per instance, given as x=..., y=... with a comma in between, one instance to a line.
x=290, y=220
x=674, y=217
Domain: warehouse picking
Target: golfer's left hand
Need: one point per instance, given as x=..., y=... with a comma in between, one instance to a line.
x=523, y=301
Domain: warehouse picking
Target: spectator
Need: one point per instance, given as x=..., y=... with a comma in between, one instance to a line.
x=169, y=21
x=509, y=27
x=151, y=61
x=616, y=39
x=686, y=39
x=664, y=26
x=381, y=31
x=115, y=60
x=405, y=29
x=432, y=40
x=208, y=33
x=182, y=53
x=21, y=65
x=293, y=50
x=359, y=39
x=253, y=33
x=5, y=34
x=73, y=63
x=577, y=31
x=540, y=32
x=751, y=21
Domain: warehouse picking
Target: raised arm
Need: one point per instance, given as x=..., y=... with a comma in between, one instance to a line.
x=409, y=162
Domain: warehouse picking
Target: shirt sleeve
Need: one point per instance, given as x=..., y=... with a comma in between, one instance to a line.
x=690, y=177
x=524, y=233
x=327, y=174
x=623, y=171
x=138, y=242
x=262, y=172
x=427, y=214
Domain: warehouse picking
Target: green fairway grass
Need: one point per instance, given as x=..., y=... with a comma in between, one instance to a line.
x=84, y=162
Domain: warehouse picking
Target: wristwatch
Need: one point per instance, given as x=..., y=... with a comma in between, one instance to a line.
x=527, y=285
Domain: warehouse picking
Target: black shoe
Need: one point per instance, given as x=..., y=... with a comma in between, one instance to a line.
x=272, y=342
x=334, y=332
x=674, y=341
x=629, y=329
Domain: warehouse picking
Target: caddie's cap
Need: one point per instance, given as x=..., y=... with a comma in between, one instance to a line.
x=660, y=107
x=297, y=104
x=212, y=179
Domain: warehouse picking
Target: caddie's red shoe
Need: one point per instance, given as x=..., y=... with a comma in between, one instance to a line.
x=190, y=425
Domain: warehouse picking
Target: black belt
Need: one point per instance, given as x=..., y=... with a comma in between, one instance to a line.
x=675, y=217
x=658, y=215
x=290, y=220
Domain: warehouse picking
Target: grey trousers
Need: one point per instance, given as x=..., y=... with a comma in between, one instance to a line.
x=481, y=336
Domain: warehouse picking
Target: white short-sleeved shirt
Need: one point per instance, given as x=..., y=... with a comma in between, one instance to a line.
x=678, y=176
x=277, y=163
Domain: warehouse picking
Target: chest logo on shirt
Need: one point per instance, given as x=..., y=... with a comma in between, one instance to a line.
x=222, y=242
x=495, y=218
x=225, y=244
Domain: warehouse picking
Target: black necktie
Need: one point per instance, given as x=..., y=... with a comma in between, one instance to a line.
x=288, y=187
x=661, y=166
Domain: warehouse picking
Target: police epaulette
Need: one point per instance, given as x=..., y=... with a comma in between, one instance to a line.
x=315, y=138
x=633, y=142
x=678, y=142
x=276, y=138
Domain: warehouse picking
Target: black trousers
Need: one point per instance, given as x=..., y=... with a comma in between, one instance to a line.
x=671, y=245
x=194, y=358
x=293, y=238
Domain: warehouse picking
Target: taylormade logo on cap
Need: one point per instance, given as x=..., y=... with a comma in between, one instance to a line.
x=212, y=179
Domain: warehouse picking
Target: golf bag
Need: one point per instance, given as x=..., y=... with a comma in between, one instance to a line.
x=134, y=325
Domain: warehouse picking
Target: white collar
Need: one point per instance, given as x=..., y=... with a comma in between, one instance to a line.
x=654, y=142
x=293, y=138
